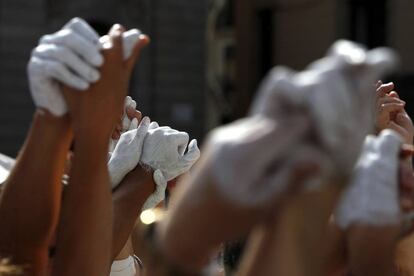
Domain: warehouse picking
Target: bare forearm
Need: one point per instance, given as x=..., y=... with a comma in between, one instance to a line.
x=86, y=214
x=128, y=200
x=29, y=205
x=371, y=250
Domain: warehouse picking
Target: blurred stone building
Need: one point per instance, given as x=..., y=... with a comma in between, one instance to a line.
x=207, y=56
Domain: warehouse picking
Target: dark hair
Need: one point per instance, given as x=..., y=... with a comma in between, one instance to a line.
x=232, y=253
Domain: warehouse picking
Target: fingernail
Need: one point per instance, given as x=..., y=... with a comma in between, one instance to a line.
x=94, y=76
x=98, y=60
x=83, y=85
x=145, y=120
x=133, y=104
x=115, y=27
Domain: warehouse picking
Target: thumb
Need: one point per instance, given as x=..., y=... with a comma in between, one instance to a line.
x=136, y=51
x=193, y=152
x=134, y=124
x=142, y=131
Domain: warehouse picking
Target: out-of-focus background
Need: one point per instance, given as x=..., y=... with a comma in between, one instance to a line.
x=207, y=56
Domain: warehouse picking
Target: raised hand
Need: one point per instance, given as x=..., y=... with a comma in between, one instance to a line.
x=127, y=152
x=329, y=90
x=372, y=197
x=99, y=108
x=164, y=150
x=390, y=112
x=129, y=121
x=69, y=56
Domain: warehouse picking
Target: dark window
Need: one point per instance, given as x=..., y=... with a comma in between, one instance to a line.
x=368, y=22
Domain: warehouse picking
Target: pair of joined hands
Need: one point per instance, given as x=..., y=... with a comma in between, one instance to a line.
x=160, y=148
x=75, y=71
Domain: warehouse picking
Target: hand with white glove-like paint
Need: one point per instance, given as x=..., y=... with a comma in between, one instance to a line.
x=164, y=151
x=127, y=152
x=335, y=87
x=249, y=167
x=70, y=56
x=125, y=267
x=373, y=197
x=129, y=121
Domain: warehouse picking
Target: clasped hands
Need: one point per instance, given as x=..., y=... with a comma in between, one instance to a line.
x=65, y=79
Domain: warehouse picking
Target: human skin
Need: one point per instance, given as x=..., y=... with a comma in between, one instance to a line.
x=402, y=123
x=285, y=243
x=87, y=210
x=25, y=235
x=128, y=199
x=197, y=198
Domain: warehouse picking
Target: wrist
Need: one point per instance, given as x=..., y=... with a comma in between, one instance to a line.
x=54, y=129
x=85, y=126
x=89, y=144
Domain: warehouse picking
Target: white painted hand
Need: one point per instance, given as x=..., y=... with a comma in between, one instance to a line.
x=127, y=123
x=159, y=194
x=251, y=159
x=336, y=92
x=127, y=152
x=372, y=197
x=125, y=267
x=164, y=150
x=69, y=56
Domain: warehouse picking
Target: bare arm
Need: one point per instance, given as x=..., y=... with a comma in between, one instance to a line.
x=87, y=212
x=29, y=205
x=128, y=199
x=85, y=236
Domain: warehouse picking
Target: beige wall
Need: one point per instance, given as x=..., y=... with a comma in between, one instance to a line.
x=303, y=36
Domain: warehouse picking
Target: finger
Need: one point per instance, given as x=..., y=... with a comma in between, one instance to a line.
x=133, y=104
x=394, y=94
x=400, y=130
x=134, y=124
x=385, y=89
x=82, y=47
x=193, y=152
x=128, y=99
x=407, y=151
x=132, y=60
x=61, y=73
x=69, y=59
x=160, y=180
x=116, y=134
x=378, y=84
x=115, y=35
x=142, y=130
x=154, y=125
x=181, y=140
x=138, y=115
x=84, y=29
x=132, y=113
x=130, y=38
x=391, y=107
x=125, y=122
x=403, y=120
x=388, y=99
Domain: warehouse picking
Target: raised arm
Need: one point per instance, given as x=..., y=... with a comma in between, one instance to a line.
x=85, y=234
x=30, y=204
